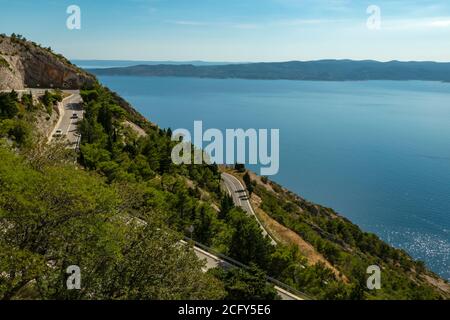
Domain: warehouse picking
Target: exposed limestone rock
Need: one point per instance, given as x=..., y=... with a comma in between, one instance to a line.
x=24, y=64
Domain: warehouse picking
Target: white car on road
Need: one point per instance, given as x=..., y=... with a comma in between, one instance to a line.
x=58, y=133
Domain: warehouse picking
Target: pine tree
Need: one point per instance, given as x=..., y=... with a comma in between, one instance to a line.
x=226, y=205
x=248, y=183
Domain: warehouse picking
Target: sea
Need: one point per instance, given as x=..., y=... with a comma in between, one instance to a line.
x=378, y=152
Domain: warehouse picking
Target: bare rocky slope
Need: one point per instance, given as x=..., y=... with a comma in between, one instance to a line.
x=25, y=64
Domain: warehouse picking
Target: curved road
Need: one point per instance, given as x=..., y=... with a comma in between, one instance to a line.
x=213, y=261
x=66, y=122
x=69, y=106
x=241, y=199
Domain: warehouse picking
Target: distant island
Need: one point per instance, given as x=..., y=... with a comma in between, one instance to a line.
x=121, y=197
x=93, y=64
x=323, y=70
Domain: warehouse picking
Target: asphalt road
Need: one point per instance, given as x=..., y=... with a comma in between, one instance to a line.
x=241, y=199
x=67, y=123
x=214, y=262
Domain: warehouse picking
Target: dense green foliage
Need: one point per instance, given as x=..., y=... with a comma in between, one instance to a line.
x=15, y=119
x=17, y=115
x=349, y=249
x=248, y=284
x=50, y=99
x=132, y=198
x=120, y=214
x=54, y=217
x=248, y=183
x=8, y=105
x=184, y=194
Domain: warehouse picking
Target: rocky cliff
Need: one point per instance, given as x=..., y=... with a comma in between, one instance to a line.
x=24, y=64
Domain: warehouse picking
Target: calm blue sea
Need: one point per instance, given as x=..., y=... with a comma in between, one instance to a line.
x=378, y=152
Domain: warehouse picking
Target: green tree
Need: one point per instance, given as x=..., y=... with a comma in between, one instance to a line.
x=47, y=99
x=203, y=226
x=248, y=183
x=92, y=155
x=248, y=245
x=19, y=131
x=239, y=167
x=246, y=284
x=57, y=218
x=27, y=101
x=105, y=118
x=226, y=205
x=8, y=105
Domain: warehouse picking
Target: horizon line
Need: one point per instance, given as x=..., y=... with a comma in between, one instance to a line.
x=252, y=62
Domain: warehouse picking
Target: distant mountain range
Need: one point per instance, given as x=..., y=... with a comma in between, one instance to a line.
x=326, y=70
x=320, y=252
x=101, y=64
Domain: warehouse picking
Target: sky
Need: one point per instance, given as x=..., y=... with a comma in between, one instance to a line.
x=236, y=30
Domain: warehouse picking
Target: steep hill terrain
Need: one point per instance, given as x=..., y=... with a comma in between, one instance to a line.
x=119, y=208
x=25, y=64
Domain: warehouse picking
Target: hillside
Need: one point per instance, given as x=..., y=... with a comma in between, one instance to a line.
x=119, y=208
x=25, y=64
x=325, y=70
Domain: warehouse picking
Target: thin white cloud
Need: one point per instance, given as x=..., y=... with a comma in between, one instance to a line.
x=251, y=25
x=440, y=23
x=386, y=23
x=246, y=26
x=416, y=24
x=187, y=22
x=300, y=22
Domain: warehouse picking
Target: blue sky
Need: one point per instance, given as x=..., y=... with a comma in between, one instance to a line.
x=235, y=30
